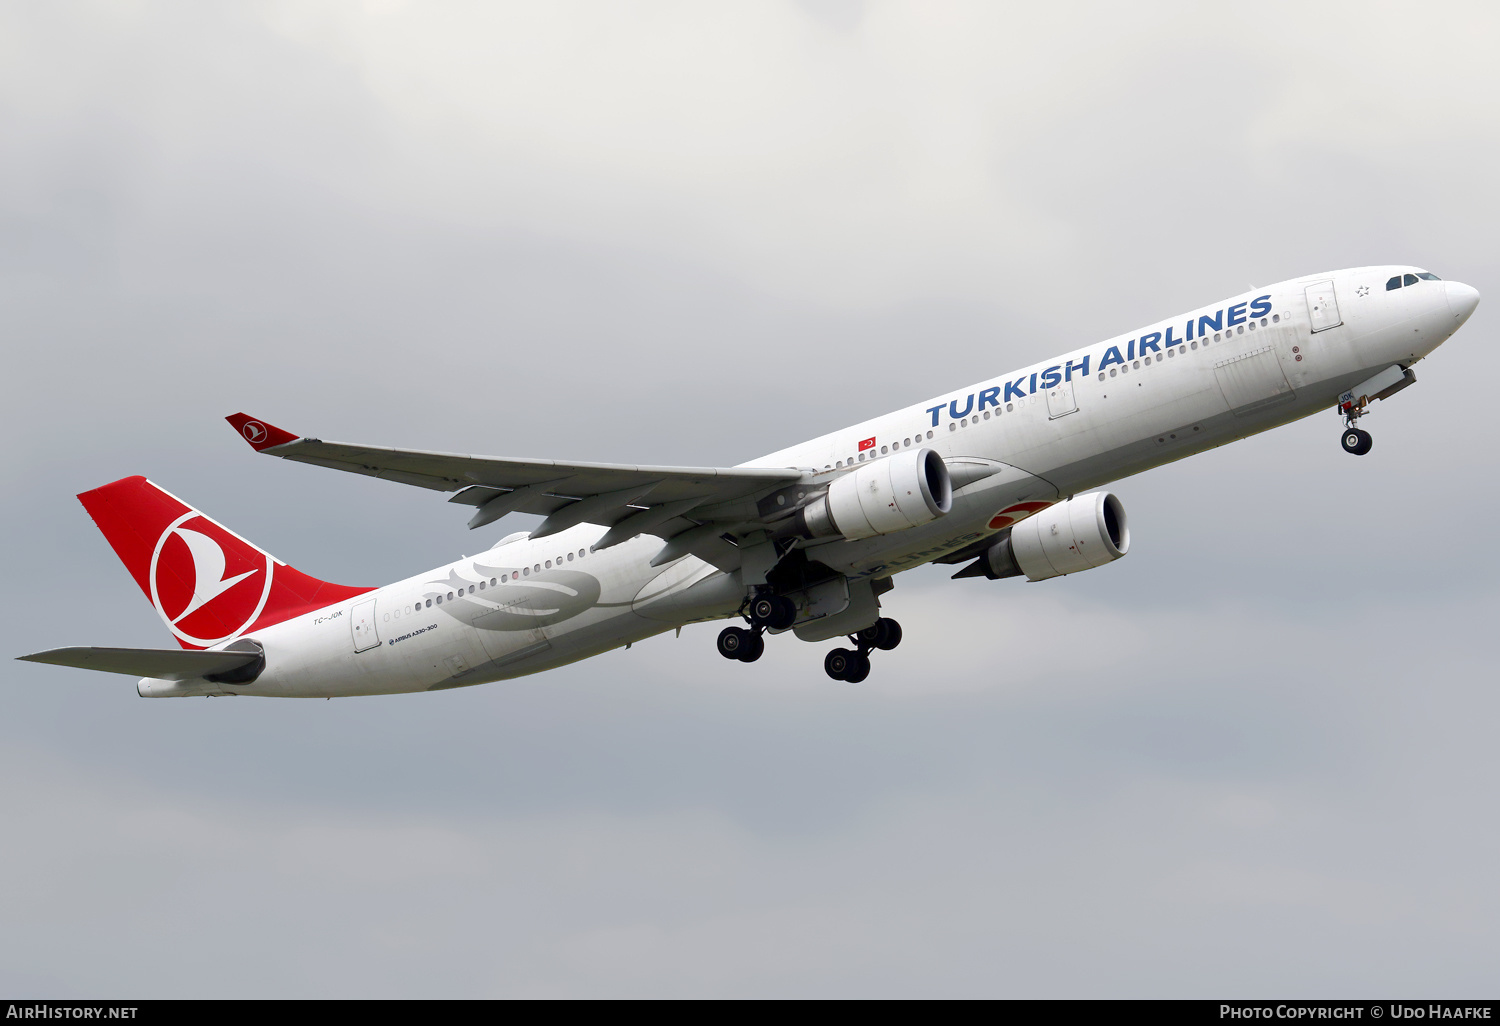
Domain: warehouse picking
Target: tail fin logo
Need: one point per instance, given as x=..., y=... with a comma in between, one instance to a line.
x=207, y=584
x=254, y=431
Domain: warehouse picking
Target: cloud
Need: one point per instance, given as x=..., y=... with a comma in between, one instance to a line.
x=1251, y=757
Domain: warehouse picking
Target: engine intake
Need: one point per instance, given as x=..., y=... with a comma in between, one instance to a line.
x=884, y=496
x=1084, y=532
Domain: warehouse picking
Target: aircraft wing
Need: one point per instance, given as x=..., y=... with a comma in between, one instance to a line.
x=630, y=500
x=162, y=663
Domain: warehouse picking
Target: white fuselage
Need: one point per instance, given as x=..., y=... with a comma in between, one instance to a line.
x=1042, y=432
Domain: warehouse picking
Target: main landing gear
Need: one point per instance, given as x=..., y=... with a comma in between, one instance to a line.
x=774, y=612
x=1355, y=441
x=765, y=612
x=854, y=666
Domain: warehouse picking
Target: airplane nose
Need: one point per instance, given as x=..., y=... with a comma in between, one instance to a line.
x=1462, y=299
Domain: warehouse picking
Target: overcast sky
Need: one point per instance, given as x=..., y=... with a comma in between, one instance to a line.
x=1255, y=758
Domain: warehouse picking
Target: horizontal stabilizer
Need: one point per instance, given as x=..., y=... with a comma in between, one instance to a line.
x=162, y=663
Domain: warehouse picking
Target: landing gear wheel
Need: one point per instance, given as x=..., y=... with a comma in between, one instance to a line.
x=733, y=641
x=1357, y=441
x=859, y=668
x=884, y=634
x=837, y=663
x=773, y=612
x=754, y=647
x=847, y=665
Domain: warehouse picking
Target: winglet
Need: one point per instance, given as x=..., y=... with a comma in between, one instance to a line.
x=258, y=433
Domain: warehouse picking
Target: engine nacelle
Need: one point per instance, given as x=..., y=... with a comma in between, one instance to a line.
x=1084, y=532
x=884, y=496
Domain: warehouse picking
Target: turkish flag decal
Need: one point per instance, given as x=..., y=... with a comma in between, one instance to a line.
x=868, y=443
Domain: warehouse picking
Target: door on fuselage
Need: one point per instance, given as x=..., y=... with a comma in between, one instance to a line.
x=1061, y=400
x=362, y=622
x=1323, y=306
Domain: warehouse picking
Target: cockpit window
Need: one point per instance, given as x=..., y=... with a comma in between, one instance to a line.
x=1410, y=279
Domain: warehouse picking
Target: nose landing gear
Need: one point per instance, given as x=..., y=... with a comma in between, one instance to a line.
x=853, y=666
x=1356, y=441
x=1355, y=403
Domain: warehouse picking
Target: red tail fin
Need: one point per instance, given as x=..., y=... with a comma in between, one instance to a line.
x=207, y=583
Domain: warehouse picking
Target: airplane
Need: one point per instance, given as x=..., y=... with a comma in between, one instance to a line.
x=996, y=476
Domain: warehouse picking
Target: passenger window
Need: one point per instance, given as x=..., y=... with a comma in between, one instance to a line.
x=1394, y=283
x=429, y=603
x=570, y=557
x=1275, y=318
x=1408, y=279
x=440, y=600
x=450, y=596
x=1137, y=365
x=492, y=582
x=884, y=449
x=549, y=564
x=929, y=436
x=1111, y=372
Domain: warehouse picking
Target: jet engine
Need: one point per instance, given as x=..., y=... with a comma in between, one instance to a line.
x=884, y=496
x=1084, y=532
